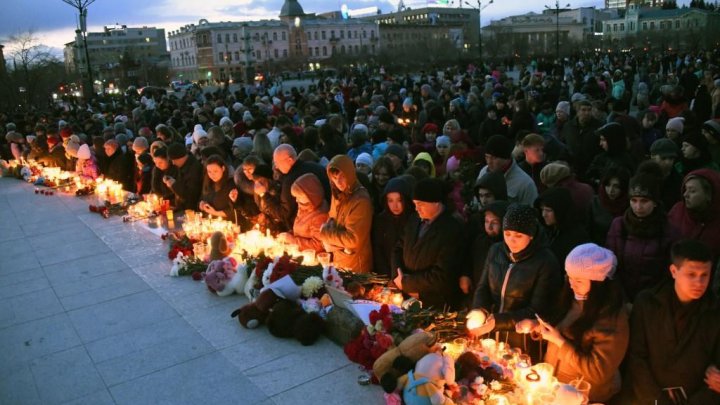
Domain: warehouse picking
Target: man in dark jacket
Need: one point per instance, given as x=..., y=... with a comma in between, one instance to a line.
x=286, y=162
x=580, y=137
x=188, y=184
x=426, y=256
x=162, y=167
x=674, y=348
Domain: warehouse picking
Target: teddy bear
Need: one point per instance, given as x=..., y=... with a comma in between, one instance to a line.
x=255, y=313
x=287, y=319
x=222, y=277
x=426, y=383
x=219, y=248
x=398, y=360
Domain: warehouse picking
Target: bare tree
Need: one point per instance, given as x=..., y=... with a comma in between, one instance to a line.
x=34, y=71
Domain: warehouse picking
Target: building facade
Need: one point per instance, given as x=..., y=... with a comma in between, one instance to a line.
x=657, y=27
x=121, y=50
x=536, y=34
x=235, y=50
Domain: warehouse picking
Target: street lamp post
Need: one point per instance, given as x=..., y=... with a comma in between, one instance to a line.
x=81, y=6
x=479, y=8
x=557, y=26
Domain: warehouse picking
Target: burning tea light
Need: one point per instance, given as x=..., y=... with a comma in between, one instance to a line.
x=475, y=319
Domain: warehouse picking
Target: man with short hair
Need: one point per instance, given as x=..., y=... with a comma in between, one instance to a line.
x=188, y=183
x=675, y=335
x=581, y=138
x=498, y=155
x=533, y=146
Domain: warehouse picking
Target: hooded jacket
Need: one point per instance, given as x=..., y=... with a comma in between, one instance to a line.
x=347, y=232
x=566, y=233
x=705, y=226
x=426, y=157
x=482, y=242
x=310, y=217
x=387, y=227
x=516, y=286
x=495, y=182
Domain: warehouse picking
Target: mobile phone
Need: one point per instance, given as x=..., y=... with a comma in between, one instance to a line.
x=542, y=323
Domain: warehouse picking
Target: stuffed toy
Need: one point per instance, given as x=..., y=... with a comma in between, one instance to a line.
x=219, y=248
x=288, y=320
x=397, y=361
x=222, y=277
x=469, y=366
x=426, y=384
x=255, y=313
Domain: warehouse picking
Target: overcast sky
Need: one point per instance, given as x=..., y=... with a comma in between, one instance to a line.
x=54, y=22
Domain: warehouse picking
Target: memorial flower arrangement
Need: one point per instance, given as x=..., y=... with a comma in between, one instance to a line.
x=373, y=340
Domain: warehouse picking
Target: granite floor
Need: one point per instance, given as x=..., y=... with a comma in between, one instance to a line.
x=89, y=315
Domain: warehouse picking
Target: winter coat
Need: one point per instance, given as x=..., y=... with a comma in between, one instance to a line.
x=287, y=207
x=188, y=184
x=582, y=196
x=520, y=187
x=481, y=243
x=704, y=227
x=219, y=198
x=347, y=233
x=309, y=219
x=596, y=358
x=387, y=228
x=642, y=248
x=87, y=168
x=517, y=286
x=430, y=263
x=566, y=233
x=119, y=170
x=582, y=141
x=157, y=185
x=660, y=358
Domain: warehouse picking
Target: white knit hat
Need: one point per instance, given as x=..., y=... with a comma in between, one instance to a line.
x=591, y=262
x=677, y=123
x=198, y=132
x=84, y=152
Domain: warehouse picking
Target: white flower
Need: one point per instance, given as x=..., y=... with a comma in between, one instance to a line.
x=310, y=286
x=266, y=274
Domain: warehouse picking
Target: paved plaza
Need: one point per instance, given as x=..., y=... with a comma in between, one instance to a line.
x=89, y=315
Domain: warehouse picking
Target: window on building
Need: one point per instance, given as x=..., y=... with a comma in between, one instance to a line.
x=364, y=34
x=614, y=27
x=258, y=55
x=285, y=53
x=622, y=26
x=220, y=57
x=355, y=34
x=277, y=53
x=607, y=28
x=323, y=34
x=219, y=39
x=342, y=34
x=334, y=50
x=342, y=49
x=237, y=56
x=644, y=26
x=317, y=51
x=316, y=35
x=309, y=51
x=324, y=50
x=235, y=37
x=372, y=34
x=349, y=34
x=284, y=38
x=652, y=25
x=274, y=36
x=332, y=33
x=227, y=37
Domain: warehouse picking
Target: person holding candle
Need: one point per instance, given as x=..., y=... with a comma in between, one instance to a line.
x=163, y=167
x=520, y=278
x=674, y=351
x=389, y=224
x=312, y=213
x=591, y=337
x=188, y=183
x=267, y=195
x=118, y=168
x=86, y=165
x=346, y=234
x=217, y=185
x=426, y=258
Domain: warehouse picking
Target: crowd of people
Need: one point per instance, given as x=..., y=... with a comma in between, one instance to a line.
x=579, y=204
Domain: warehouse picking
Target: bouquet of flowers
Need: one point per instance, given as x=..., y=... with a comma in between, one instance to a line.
x=179, y=244
x=187, y=265
x=373, y=340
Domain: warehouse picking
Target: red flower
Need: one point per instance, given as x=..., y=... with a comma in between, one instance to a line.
x=384, y=310
x=197, y=276
x=374, y=317
x=387, y=323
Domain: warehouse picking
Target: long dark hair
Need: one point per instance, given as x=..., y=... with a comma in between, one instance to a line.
x=210, y=186
x=605, y=300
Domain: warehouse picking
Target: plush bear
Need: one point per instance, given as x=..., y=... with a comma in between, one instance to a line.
x=255, y=313
x=397, y=361
x=469, y=366
x=426, y=384
x=288, y=320
x=219, y=248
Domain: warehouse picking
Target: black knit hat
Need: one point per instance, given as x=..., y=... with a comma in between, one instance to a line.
x=428, y=190
x=263, y=171
x=176, y=151
x=645, y=185
x=521, y=218
x=499, y=146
